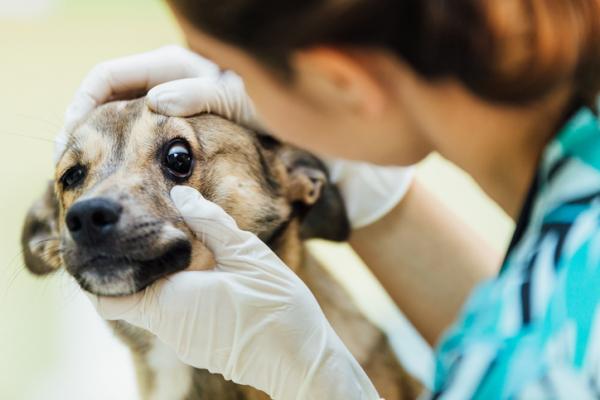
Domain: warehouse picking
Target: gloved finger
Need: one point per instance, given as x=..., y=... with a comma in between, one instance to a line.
x=184, y=98
x=166, y=300
x=231, y=246
x=235, y=100
x=128, y=308
x=211, y=224
x=225, y=96
x=132, y=74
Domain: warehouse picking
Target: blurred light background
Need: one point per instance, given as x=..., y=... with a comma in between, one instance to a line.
x=52, y=344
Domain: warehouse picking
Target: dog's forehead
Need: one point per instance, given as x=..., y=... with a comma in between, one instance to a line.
x=130, y=125
x=109, y=132
x=109, y=126
x=116, y=118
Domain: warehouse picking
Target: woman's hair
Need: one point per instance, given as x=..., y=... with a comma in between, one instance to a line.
x=503, y=50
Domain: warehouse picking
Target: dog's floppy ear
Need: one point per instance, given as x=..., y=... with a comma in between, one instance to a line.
x=317, y=200
x=39, y=239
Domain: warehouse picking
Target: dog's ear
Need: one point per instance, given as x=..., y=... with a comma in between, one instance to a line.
x=317, y=200
x=39, y=239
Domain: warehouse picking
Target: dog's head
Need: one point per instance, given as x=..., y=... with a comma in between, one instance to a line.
x=108, y=219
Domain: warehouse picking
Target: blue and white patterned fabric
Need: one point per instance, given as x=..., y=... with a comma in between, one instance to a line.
x=534, y=331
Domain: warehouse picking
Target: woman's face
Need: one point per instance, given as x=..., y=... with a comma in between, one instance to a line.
x=371, y=124
x=369, y=105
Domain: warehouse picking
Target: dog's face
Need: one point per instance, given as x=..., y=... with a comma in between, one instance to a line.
x=109, y=220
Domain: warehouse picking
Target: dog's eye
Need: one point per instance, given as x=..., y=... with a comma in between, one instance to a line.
x=73, y=177
x=178, y=159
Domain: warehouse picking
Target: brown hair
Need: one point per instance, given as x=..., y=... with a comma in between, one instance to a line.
x=503, y=50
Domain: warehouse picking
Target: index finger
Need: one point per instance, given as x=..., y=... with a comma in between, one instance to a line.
x=134, y=74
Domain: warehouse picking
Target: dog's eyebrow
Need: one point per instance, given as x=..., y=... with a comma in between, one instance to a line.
x=117, y=120
x=73, y=153
x=73, y=149
x=170, y=127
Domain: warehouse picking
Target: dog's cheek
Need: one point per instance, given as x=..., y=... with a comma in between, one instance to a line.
x=242, y=198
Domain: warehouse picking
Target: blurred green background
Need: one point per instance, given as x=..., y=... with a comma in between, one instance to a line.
x=52, y=345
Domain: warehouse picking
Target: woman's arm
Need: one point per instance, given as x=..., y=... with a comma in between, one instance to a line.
x=427, y=260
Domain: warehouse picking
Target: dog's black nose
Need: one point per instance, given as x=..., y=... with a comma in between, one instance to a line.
x=94, y=220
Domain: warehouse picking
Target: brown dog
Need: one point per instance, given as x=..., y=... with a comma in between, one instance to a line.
x=108, y=219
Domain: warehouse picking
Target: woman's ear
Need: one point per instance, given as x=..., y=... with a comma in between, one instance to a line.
x=340, y=79
x=317, y=201
x=39, y=238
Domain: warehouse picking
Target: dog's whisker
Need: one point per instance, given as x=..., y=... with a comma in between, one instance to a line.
x=14, y=275
x=15, y=257
x=69, y=291
x=30, y=137
x=55, y=124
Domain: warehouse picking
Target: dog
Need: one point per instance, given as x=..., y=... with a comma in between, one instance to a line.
x=107, y=218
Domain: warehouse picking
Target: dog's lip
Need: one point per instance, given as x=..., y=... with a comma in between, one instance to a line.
x=175, y=247
x=176, y=257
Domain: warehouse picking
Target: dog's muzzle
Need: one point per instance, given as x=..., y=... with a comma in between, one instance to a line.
x=111, y=256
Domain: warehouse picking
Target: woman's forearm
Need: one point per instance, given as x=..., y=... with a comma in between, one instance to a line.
x=427, y=259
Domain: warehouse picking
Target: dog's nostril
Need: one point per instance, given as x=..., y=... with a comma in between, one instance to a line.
x=102, y=218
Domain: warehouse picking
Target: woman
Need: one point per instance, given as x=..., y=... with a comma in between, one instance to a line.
x=501, y=88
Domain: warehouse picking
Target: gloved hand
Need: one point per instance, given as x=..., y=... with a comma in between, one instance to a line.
x=250, y=318
x=171, y=75
x=170, y=71
x=182, y=83
x=369, y=191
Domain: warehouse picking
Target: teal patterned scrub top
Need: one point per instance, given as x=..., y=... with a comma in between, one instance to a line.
x=534, y=330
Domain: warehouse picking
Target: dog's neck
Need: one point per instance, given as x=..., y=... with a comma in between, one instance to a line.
x=288, y=246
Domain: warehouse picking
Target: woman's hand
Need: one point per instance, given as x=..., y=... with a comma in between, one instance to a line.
x=370, y=192
x=250, y=318
x=176, y=82
x=169, y=76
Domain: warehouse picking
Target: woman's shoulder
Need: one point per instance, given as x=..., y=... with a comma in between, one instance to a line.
x=579, y=138
x=568, y=199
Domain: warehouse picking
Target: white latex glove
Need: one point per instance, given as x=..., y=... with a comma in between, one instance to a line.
x=216, y=91
x=251, y=318
x=369, y=191
x=182, y=83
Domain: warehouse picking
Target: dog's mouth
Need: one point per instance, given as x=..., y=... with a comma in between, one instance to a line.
x=120, y=275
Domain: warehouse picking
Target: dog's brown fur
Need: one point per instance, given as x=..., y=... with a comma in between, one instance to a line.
x=280, y=193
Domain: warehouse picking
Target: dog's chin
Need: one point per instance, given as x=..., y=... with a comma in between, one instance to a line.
x=122, y=276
